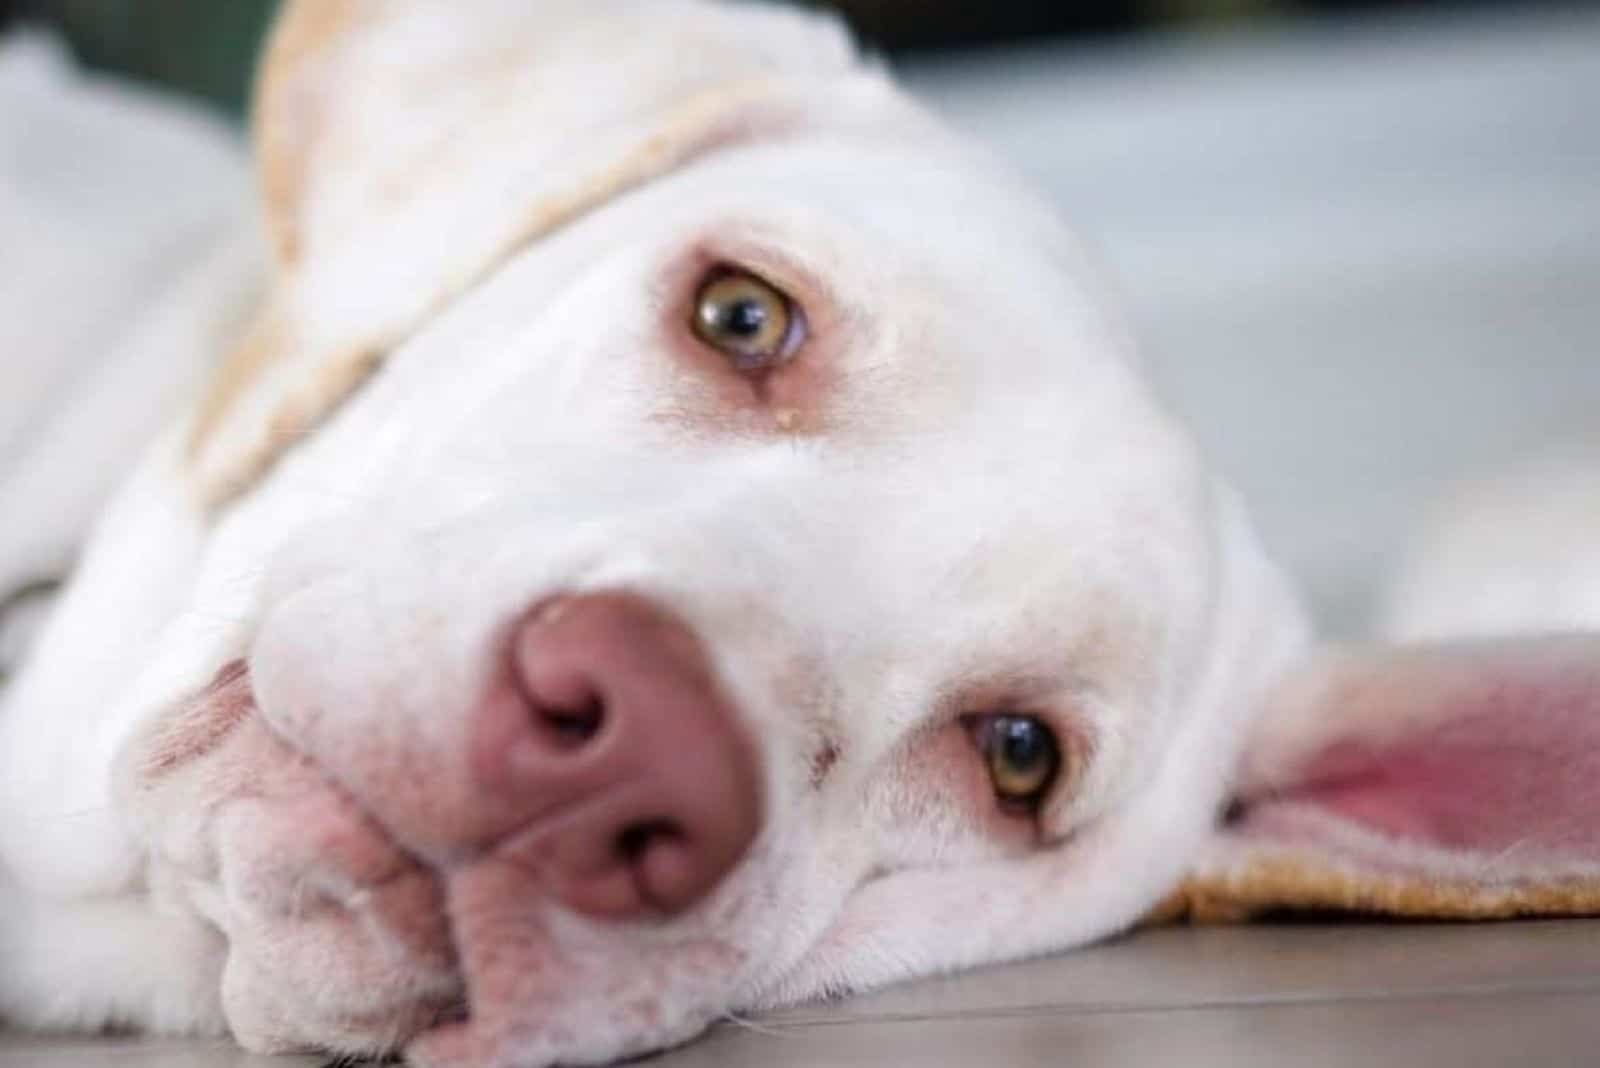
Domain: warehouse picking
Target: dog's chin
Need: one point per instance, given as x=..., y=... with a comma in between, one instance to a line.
x=341, y=940
x=543, y=987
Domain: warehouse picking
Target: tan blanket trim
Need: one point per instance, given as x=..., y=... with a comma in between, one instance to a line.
x=1272, y=884
x=702, y=124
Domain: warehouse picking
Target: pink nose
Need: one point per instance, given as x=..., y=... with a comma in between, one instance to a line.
x=639, y=786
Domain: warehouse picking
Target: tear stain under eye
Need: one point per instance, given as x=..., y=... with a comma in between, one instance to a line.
x=823, y=760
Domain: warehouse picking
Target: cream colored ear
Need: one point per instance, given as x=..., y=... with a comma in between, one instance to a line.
x=407, y=147
x=1451, y=781
x=359, y=103
x=303, y=45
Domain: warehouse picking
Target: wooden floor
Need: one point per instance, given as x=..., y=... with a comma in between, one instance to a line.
x=1445, y=996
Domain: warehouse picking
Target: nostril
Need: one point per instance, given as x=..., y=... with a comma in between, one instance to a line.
x=566, y=703
x=573, y=728
x=636, y=839
x=666, y=874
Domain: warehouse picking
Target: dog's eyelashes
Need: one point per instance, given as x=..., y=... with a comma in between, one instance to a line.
x=747, y=319
x=1021, y=754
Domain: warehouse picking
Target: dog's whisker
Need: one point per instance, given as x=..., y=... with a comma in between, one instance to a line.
x=744, y=1023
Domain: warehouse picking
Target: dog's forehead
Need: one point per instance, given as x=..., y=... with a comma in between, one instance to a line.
x=983, y=365
x=926, y=219
x=989, y=399
x=974, y=281
x=988, y=370
x=944, y=302
x=996, y=448
x=948, y=298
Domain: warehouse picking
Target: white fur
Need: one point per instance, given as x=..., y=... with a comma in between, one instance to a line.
x=995, y=495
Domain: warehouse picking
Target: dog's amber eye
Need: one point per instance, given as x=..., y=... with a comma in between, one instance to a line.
x=1022, y=755
x=746, y=319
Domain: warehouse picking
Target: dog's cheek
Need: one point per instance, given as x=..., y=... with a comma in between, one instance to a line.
x=934, y=799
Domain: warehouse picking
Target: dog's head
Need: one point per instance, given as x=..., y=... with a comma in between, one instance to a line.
x=689, y=536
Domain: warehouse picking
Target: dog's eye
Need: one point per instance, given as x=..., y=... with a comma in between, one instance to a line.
x=1022, y=756
x=747, y=319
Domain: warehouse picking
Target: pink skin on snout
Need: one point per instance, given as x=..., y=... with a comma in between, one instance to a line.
x=609, y=733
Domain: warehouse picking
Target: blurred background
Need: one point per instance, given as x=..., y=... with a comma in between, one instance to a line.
x=1360, y=241
x=205, y=46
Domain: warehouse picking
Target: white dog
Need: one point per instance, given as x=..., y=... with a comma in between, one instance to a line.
x=679, y=533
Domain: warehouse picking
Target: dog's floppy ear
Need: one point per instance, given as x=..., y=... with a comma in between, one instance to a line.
x=1453, y=780
x=407, y=147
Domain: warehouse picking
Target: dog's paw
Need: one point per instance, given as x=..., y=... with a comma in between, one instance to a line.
x=336, y=939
